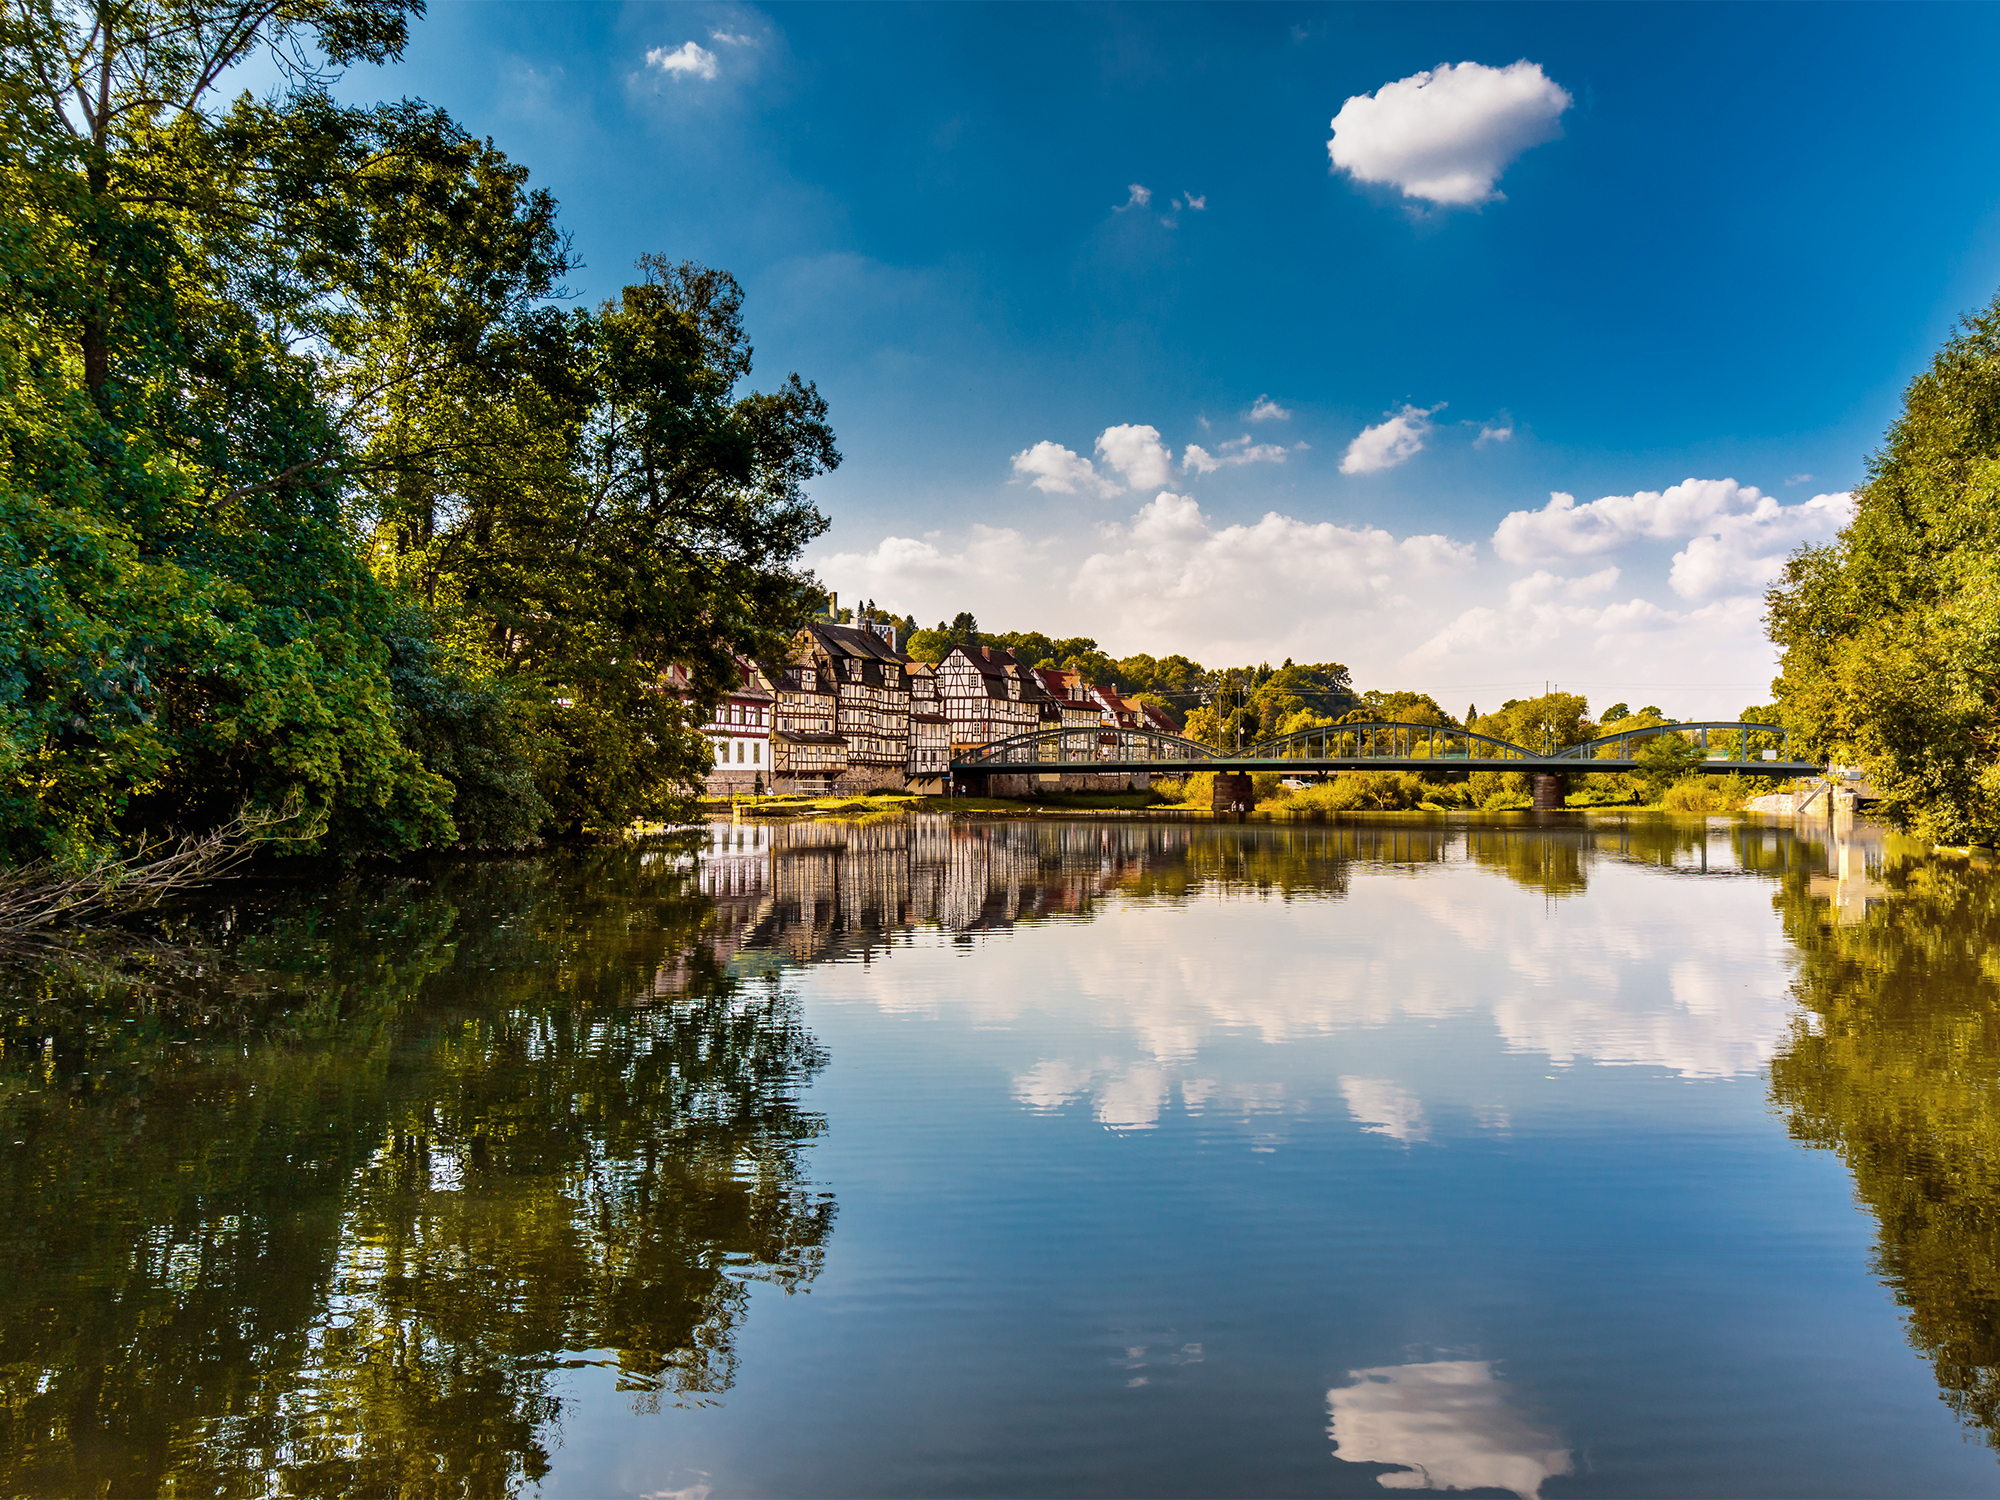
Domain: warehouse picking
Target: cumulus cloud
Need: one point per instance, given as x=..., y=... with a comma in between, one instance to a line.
x=1389, y=442
x=1196, y=459
x=1197, y=204
x=732, y=38
x=1737, y=536
x=689, y=60
x=1055, y=470
x=1748, y=551
x=901, y=566
x=1171, y=572
x=1137, y=453
x=1141, y=196
x=1264, y=409
x=1446, y=135
x=1500, y=430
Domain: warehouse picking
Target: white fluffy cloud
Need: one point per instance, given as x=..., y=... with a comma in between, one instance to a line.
x=1446, y=135
x=902, y=567
x=1196, y=459
x=1389, y=442
x=1139, y=196
x=1737, y=537
x=1172, y=572
x=1137, y=453
x=689, y=60
x=1264, y=409
x=1055, y=470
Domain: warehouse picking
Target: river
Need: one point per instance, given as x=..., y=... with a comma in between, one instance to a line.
x=1609, y=1155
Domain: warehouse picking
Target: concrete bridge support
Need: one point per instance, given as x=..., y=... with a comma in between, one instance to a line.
x=1232, y=792
x=1551, y=788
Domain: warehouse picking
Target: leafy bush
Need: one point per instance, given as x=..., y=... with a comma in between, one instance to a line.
x=1356, y=791
x=1703, y=794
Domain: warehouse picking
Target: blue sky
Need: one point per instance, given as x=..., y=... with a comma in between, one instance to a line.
x=1593, y=251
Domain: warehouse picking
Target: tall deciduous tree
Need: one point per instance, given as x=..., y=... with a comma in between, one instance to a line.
x=1891, y=634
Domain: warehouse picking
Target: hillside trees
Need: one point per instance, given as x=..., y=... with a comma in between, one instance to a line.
x=1890, y=636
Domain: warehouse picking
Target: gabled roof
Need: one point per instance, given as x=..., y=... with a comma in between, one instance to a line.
x=854, y=640
x=992, y=661
x=1064, y=686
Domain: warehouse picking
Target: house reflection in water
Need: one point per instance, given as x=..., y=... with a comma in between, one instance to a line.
x=805, y=892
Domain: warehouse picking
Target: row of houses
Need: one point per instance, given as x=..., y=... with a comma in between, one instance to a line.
x=848, y=711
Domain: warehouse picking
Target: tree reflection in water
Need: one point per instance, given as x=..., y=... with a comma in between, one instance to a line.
x=1895, y=1065
x=331, y=1215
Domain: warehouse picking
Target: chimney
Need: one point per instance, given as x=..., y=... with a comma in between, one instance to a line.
x=833, y=604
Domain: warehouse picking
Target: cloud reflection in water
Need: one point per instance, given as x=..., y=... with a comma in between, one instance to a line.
x=1446, y=1424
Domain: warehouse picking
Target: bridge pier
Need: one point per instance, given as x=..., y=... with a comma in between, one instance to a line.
x=1551, y=788
x=1232, y=793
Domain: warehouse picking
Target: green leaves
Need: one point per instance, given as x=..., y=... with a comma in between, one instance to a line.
x=1891, y=636
x=314, y=496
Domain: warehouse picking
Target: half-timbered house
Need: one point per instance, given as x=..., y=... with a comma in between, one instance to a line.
x=988, y=695
x=928, y=756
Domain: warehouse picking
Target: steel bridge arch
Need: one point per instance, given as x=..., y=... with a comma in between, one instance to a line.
x=1354, y=746
x=1624, y=740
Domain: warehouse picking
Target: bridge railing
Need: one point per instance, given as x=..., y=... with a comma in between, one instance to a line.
x=1384, y=739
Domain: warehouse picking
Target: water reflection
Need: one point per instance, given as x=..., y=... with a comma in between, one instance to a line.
x=338, y=1204
x=1445, y=1425
x=1615, y=979
x=1895, y=1065
x=333, y=1215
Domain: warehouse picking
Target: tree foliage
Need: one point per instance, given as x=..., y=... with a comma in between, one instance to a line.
x=1890, y=635
x=313, y=496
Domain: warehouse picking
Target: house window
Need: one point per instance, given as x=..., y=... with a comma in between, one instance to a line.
x=757, y=754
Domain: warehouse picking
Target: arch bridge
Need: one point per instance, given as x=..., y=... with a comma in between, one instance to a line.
x=1753, y=749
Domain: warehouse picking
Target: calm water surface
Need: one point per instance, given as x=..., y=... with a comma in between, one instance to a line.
x=918, y=1157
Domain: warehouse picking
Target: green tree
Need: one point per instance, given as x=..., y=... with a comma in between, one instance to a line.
x=1890, y=636
x=184, y=622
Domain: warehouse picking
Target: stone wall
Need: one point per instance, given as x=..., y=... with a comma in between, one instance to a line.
x=858, y=781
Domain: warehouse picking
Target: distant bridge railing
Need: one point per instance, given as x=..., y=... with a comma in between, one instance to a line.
x=1382, y=744
x=1383, y=739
